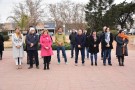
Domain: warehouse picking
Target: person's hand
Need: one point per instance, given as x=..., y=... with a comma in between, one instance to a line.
x=94, y=45
x=79, y=46
x=18, y=46
x=124, y=45
x=31, y=45
x=47, y=48
x=107, y=45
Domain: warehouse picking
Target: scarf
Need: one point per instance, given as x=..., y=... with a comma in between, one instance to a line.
x=107, y=37
x=123, y=36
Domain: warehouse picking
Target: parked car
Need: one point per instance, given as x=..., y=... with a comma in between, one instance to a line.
x=132, y=31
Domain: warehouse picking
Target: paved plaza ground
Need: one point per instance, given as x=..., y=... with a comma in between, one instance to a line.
x=68, y=77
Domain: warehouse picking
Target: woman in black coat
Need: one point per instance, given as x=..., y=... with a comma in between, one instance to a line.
x=94, y=46
x=1, y=46
x=121, y=48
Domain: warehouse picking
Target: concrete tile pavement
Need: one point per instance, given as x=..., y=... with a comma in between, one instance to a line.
x=68, y=77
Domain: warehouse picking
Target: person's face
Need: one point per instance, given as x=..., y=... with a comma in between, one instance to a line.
x=17, y=30
x=80, y=32
x=108, y=29
x=33, y=31
x=104, y=28
x=60, y=30
x=94, y=33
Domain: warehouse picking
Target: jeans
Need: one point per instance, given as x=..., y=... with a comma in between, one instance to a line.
x=87, y=52
x=93, y=56
x=33, y=53
x=102, y=53
x=72, y=50
x=63, y=53
x=77, y=52
x=107, y=53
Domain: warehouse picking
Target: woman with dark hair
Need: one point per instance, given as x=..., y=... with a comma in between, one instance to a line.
x=17, y=40
x=94, y=46
x=121, y=48
x=107, y=41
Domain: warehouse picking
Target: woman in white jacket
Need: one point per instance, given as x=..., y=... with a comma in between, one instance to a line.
x=18, y=52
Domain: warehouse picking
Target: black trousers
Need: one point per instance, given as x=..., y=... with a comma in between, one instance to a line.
x=47, y=60
x=1, y=53
x=34, y=53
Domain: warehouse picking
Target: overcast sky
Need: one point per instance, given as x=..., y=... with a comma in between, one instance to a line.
x=7, y=5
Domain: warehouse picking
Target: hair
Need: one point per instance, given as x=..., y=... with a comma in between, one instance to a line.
x=121, y=31
x=19, y=34
x=45, y=31
x=93, y=31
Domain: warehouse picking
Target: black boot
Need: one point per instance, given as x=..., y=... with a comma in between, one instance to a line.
x=122, y=63
x=48, y=66
x=96, y=63
x=91, y=63
x=44, y=66
x=119, y=61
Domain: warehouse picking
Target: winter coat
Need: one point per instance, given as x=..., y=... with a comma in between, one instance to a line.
x=32, y=38
x=120, y=48
x=15, y=42
x=60, y=38
x=1, y=43
x=72, y=38
x=92, y=49
x=80, y=40
x=46, y=41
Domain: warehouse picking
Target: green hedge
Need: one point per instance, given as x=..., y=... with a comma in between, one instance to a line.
x=114, y=32
x=67, y=46
x=5, y=35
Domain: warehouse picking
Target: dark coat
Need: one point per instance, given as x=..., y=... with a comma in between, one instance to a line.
x=32, y=39
x=101, y=38
x=72, y=38
x=104, y=43
x=1, y=43
x=119, y=47
x=80, y=40
x=92, y=49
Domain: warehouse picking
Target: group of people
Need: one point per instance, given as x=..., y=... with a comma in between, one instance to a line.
x=79, y=41
x=90, y=42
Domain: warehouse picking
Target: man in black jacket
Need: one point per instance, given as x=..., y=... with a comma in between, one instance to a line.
x=72, y=42
x=32, y=47
x=107, y=46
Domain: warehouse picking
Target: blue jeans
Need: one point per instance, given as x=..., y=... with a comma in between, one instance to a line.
x=77, y=53
x=93, y=56
x=72, y=50
x=63, y=53
x=86, y=52
x=107, y=53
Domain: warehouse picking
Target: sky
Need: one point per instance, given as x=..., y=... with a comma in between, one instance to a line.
x=6, y=6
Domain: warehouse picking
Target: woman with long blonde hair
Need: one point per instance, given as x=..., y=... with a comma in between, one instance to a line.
x=18, y=52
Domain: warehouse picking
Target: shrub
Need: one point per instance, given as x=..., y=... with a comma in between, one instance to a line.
x=6, y=37
x=54, y=47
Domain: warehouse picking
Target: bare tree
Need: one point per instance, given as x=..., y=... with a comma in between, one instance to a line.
x=28, y=13
x=69, y=13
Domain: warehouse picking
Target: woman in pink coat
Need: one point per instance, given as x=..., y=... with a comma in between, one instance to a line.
x=46, y=48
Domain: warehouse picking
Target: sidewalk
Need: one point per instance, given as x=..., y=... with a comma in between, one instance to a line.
x=68, y=77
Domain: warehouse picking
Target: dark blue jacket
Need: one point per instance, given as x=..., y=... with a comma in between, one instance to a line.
x=80, y=40
x=32, y=38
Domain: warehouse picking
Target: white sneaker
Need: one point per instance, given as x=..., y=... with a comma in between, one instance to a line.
x=66, y=63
